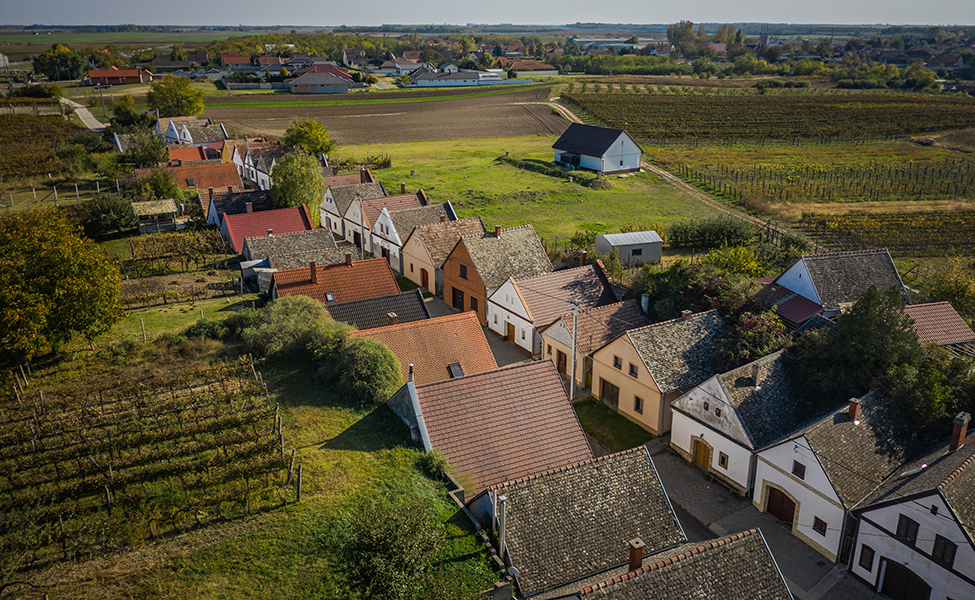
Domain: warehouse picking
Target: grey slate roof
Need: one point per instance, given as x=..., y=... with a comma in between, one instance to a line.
x=680, y=353
x=815, y=323
x=440, y=238
x=407, y=219
x=841, y=277
x=289, y=243
x=574, y=521
x=735, y=567
x=588, y=139
x=345, y=194
x=601, y=325
x=374, y=312
x=298, y=260
x=236, y=202
x=203, y=132
x=319, y=79
x=516, y=253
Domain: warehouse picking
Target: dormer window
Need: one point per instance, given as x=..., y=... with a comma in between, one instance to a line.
x=329, y=297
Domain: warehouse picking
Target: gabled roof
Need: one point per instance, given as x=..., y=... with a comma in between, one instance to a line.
x=515, y=253
x=374, y=206
x=440, y=238
x=601, y=325
x=589, y=139
x=939, y=323
x=154, y=207
x=345, y=194
x=189, y=153
x=235, y=203
x=546, y=296
x=735, y=567
x=632, y=237
x=432, y=345
x=840, y=278
x=320, y=79
x=374, y=312
x=281, y=220
x=858, y=454
x=407, y=219
x=502, y=425
x=680, y=353
x=297, y=260
x=362, y=279
x=815, y=323
x=201, y=177
x=334, y=181
x=793, y=308
x=262, y=246
x=586, y=511
x=202, y=131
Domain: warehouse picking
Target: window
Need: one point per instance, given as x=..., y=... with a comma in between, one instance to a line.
x=717, y=412
x=618, y=362
x=866, y=557
x=798, y=469
x=632, y=370
x=411, y=267
x=550, y=349
x=522, y=334
x=473, y=303
x=638, y=404
x=495, y=319
x=707, y=406
x=944, y=551
x=722, y=460
x=463, y=271
x=455, y=370
x=819, y=526
x=636, y=252
x=907, y=530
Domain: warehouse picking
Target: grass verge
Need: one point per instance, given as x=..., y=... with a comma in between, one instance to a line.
x=609, y=428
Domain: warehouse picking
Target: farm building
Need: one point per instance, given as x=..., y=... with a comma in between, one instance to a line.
x=116, y=76
x=635, y=248
x=156, y=216
x=599, y=149
x=319, y=83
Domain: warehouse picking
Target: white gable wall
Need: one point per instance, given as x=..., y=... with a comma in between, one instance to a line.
x=350, y=225
x=330, y=217
x=384, y=235
x=212, y=217
x=685, y=432
x=504, y=306
x=877, y=527
x=623, y=155
x=796, y=279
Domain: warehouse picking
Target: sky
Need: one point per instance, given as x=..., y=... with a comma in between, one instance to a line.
x=376, y=12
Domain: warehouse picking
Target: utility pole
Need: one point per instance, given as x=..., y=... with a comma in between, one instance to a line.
x=575, y=336
x=362, y=229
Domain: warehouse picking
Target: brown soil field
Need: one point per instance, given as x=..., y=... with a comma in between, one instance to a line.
x=361, y=96
x=501, y=115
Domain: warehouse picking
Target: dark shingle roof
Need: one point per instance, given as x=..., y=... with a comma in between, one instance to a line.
x=588, y=139
x=202, y=131
x=735, y=567
x=574, y=521
x=815, y=323
x=297, y=260
x=546, y=296
x=599, y=326
x=236, y=203
x=440, y=238
x=345, y=194
x=841, y=277
x=374, y=312
x=407, y=219
x=680, y=353
x=319, y=79
x=290, y=243
x=501, y=425
x=939, y=323
x=516, y=253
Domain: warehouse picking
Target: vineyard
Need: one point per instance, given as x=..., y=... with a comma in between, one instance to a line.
x=30, y=144
x=819, y=117
x=919, y=234
x=95, y=470
x=162, y=253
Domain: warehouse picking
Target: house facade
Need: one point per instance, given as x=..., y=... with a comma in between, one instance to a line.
x=362, y=215
x=427, y=248
x=393, y=227
x=599, y=149
x=337, y=200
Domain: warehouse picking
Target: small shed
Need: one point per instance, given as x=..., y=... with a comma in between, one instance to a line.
x=635, y=248
x=156, y=216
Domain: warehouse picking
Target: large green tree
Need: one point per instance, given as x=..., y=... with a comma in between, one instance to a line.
x=60, y=62
x=297, y=179
x=108, y=212
x=174, y=97
x=56, y=283
x=147, y=149
x=309, y=136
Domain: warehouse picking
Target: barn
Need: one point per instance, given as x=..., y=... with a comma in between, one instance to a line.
x=599, y=149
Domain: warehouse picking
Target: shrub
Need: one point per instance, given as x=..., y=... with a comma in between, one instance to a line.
x=208, y=329
x=38, y=90
x=371, y=372
x=280, y=330
x=108, y=212
x=736, y=259
x=709, y=233
x=434, y=464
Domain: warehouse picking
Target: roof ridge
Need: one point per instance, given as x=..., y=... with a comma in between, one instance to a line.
x=676, y=319
x=420, y=323
x=535, y=364
x=968, y=461
x=845, y=253
x=704, y=547
x=564, y=468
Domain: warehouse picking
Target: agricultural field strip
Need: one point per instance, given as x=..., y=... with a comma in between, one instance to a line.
x=921, y=234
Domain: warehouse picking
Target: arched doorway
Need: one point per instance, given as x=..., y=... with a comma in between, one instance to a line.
x=901, y=583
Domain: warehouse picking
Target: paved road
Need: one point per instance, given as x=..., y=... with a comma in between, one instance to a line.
x=86, y=116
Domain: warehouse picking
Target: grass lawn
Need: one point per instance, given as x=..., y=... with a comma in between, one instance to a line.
x=467, y=173
x=608, y=427
x=174, y=318
x=407, y=285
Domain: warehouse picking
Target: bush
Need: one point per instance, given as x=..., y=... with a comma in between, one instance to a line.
x=736, y=259
x=710, y=233
x=108, y=212
x=38, y=90
x=281, y=330
x=434, y=464
x=208, y=329
x=371, y=371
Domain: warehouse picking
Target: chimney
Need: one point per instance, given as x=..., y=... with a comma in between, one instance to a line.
x=854, y=409
x=314, y=272
x=270, y=233
x=624, y=125
x=411, y=371
x=209, y=192
x=636, y=553
x=348, y=259
x=959, y=431
x=686, y=315
x=443, y=218
x=497, y=231
x=335, y=171
x=393, y=318
x=582, y=258
x=249, y=206
x=230, y=189
x=362, y=175
x=503, y=501
x=402, y=187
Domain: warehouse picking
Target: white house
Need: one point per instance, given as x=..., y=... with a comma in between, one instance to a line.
x=635, y=248
x=914, y=535
x=520, y=308
x=191, y=131
x=363, y=213
x=393, y=228
x=599, y=149
x=337, y=200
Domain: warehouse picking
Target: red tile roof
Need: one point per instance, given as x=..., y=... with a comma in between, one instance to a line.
x=187, y=154
x=938, y=323
x=374, y=206
x=362, y=279
x=345, y=178
x=503, y=425
x=206, y=176
x=432, y=345
x=546, y=296
x=793, y=308
x=282, y=220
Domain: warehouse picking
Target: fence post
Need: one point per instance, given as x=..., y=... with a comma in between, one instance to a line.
x=77, y=195
x=299, y=483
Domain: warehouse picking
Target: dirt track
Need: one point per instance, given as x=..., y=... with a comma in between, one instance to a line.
x=486, y=116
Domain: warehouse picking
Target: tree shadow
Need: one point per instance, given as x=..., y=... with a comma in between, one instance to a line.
x=378, y=430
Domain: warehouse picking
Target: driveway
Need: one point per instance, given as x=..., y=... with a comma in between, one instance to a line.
x=85, y=116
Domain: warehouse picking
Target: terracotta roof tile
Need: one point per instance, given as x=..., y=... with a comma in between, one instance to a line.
x=374, y=206
x=440, y=238
x=601, y=325
x=939, y=323
x=502, y=425
x=201, y=177
x=546, y=296
x=432, y=345
x=281, y=220
x=362, y=279
x=516, y=253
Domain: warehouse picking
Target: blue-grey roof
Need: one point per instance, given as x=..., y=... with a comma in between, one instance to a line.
x=374, y=312
x=631, y=238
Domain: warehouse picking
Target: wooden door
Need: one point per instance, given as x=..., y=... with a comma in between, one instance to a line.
x=900, y=583
x=609, y=394
x=560, y=362
x=511, y=333
x=702, y=454
x=780, y=506
x=458, y=299
x=385, y=253
x=357, y=239
x=424, y=279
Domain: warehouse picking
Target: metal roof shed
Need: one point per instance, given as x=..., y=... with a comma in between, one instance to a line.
x=635, y=248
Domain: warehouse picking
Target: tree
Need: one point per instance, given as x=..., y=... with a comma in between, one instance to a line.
x=174, y=97
x=953, y=282
x=512, y=74
x=55, y=284
x=177, y=54
x=147, y=149
x=60, y=62
x=298, y=180
x=930, y=393
x=680, y=33
x=309, y=136
x=752, y=336
x=108, y=212
x=125, y=117
x=37, y=90
x=918, y=77
x=158, y=184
